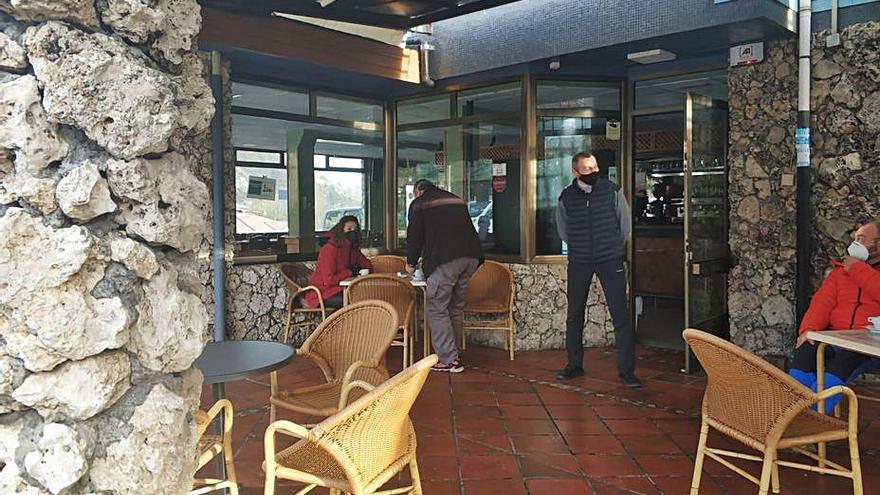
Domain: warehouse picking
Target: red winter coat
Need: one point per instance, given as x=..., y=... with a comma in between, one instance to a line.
x=332, y=268
x=845, y=299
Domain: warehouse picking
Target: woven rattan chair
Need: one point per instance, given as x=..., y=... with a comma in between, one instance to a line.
x=396, y=292
x=360, y=448
x=348, y=347
x=767, y=410
x=490, y=291
x=386, y=263
x=210, y=446
x=293, y=273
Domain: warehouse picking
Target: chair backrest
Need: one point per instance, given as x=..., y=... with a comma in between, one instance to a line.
x=372, y=433
x=386, y=263
x=389, y=288
x=490, y=287
x=295, y=275
x=357, y=332
x=744, y=393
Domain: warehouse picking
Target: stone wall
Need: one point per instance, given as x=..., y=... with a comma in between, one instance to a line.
x=104, y=116
x=257, y=297
x=845, y=166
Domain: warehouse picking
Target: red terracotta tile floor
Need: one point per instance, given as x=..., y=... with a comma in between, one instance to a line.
x=510, y=428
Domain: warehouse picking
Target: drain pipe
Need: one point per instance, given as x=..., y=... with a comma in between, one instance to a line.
x=802, y=144
x=425, y=50
x=219, y=251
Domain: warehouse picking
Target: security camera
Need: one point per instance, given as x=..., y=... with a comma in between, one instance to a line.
x=554, y=64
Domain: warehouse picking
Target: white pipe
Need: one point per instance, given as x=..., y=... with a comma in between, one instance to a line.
x=834, y=16
x=804, y=36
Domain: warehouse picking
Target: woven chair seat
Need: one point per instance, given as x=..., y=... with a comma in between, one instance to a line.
x=810, y=426
x=487, y=308
x=322, y=400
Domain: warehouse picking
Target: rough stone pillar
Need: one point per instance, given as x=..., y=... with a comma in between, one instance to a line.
x=103, y=107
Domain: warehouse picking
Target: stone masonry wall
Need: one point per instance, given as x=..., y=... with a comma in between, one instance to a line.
x=845, y=101
x=104, y=115
x=257, y=297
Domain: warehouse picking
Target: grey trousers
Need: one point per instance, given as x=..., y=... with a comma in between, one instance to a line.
x=445, y=306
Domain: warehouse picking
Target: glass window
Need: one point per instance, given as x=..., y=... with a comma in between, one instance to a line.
x=344, y=108
x=423, y=109
x=490, y=99
x=478, y=162
x=672, y=91
x=560, y=137
x=260, y=200
x=330, y=171
x=269, y=98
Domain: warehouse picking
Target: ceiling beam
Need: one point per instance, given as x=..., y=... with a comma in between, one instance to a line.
x=305, y=42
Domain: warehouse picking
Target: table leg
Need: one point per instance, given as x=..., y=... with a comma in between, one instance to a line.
x=820, y=386
x=220, y=393
x=425, y=328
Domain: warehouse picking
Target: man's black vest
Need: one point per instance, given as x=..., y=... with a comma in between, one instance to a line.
x=593, y=228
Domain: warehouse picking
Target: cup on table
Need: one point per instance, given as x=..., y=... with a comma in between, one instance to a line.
x=364, y=271
x=874, y=323
x=419, y=274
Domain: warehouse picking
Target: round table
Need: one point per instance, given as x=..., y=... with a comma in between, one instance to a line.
x=236, y=359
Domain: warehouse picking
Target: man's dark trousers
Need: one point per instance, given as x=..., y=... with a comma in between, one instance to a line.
x=612, y=276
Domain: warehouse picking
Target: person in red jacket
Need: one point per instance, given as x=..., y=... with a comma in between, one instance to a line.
x=339, y=259
x=848, y=296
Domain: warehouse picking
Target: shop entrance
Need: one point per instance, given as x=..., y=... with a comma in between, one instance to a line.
x=680, y=221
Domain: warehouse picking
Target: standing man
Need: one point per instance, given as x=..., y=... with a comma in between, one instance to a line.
x=594, y=219
x=440, y=231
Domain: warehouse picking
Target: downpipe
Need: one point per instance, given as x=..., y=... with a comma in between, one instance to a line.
x=802, y=144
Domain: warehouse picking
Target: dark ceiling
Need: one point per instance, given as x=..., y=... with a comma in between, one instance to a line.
x=396, y=14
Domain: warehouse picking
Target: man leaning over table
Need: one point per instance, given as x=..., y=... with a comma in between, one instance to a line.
x=440, y=231
x=848, y=296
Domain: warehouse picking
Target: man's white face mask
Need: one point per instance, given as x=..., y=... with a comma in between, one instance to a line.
x=858, y=250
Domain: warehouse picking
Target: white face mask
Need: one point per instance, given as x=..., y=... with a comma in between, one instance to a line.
x=858, y=251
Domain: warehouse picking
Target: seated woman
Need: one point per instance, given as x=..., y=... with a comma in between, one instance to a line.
x=848, y=296
x=339, y=259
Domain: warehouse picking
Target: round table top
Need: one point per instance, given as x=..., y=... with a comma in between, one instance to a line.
x=236, y=359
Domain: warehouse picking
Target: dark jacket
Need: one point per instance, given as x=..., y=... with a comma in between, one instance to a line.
x=595, y=224
x=440, y=230
x=845, y=300
x=334, y=262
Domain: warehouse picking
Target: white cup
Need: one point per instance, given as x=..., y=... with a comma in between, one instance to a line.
x=364, y=271
x=419, y=274
x=875, y=323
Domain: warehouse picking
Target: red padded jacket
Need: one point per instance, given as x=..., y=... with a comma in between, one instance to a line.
x=845, y=299
x=332, y=268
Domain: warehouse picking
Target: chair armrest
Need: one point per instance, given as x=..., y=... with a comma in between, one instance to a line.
x=349, y=384
x=283, y=427
x=851, y=398
x=221, y=405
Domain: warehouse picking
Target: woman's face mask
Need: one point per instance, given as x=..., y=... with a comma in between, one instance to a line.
x=353, y=236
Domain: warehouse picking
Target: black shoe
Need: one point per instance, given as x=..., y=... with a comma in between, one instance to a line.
x=570, y=372
x=631, y=381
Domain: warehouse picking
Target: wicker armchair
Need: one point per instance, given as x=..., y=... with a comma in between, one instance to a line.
x=292, y=274
x=357, y=450
x=765, y=409
x=396, y=292
x=490, y=291
x=348, y=347
x=210, y=446
x=387, y=263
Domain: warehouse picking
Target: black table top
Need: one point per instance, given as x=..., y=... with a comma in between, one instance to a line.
x=236, y=359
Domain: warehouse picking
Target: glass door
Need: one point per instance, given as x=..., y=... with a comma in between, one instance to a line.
x=705, y=218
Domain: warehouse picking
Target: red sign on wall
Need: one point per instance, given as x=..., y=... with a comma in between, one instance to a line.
x=499, y=183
